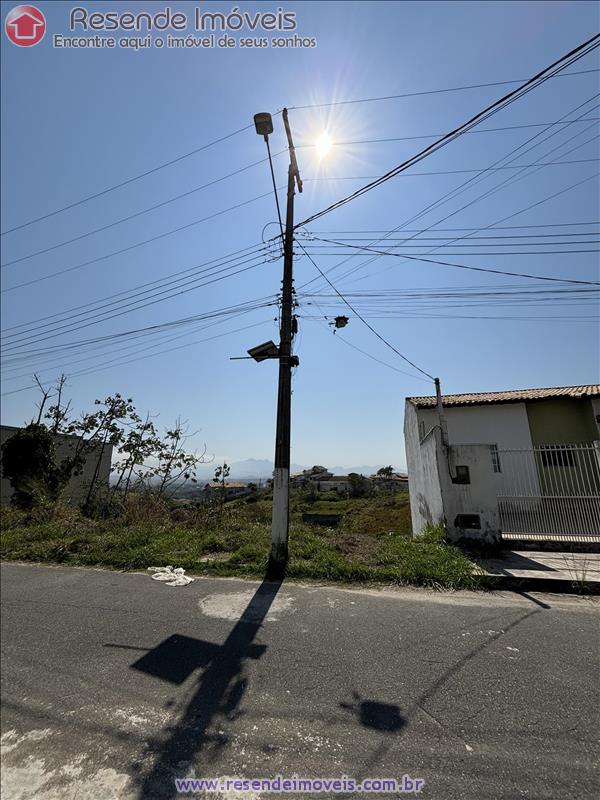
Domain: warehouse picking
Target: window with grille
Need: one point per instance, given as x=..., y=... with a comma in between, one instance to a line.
x=557, y=457
x=496, y=466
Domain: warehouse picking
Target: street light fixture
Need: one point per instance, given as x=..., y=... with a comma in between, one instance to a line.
x=263, y=122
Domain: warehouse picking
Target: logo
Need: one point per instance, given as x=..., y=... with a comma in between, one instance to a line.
x=25, y=26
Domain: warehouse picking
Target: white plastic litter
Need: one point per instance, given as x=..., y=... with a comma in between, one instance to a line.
x=172, y=577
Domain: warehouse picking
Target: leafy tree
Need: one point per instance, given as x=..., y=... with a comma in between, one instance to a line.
x=139, y=444
x=145, y=456
x=317, y=469
x=221, y=474
x=359, y=486
x=386, y=472
x=29, y=463
x=175, y=464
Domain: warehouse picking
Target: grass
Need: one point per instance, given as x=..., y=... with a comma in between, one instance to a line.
x=373, y=542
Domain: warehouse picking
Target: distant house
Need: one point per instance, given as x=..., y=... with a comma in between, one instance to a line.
x=522, y=464
x=233, y=489
x=334, y=483
x=322, y=481
x=397, y=482
x=308, y=478
x=97, y=466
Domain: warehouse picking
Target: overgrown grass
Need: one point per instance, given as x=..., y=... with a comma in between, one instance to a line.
x=373, y=542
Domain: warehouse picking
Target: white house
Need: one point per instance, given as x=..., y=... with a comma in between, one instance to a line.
x=521, y=464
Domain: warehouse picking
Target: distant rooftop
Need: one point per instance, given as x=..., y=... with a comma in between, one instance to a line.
x=228, y=485
x=512, y=396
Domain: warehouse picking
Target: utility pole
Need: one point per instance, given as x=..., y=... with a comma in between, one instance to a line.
x=281, y=475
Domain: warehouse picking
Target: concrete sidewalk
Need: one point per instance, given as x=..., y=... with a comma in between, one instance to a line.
x=576, y=568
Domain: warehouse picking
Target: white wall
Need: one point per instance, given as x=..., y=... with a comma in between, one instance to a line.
x=424, y=485
x=477, y=497
x=471, y=430
x=504, y=424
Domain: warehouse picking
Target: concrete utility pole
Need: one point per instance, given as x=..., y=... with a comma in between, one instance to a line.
x=281, y=475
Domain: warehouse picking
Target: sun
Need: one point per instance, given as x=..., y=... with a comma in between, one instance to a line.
x=323, y=144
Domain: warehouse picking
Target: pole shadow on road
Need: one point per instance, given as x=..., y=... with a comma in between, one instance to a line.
x=387, y=718
x=218, y=694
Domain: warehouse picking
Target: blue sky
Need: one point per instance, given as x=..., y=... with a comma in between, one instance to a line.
x=75, y=122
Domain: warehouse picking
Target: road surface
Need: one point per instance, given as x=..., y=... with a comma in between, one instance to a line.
x=114, y=684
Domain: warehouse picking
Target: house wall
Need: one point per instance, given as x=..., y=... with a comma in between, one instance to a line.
x=477, y=497
x=333, y=486
x=77, y=488
x=424, y=485
x=562, y=420
x=504, y=424
x=471, y=431
x=515, y=428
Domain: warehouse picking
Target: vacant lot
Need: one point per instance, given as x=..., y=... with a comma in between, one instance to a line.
x=371, y=543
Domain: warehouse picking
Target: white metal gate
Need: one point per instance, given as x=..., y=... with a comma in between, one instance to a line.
x=550, y=492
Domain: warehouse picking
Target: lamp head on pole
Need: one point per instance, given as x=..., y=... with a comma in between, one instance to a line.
x=263, y=123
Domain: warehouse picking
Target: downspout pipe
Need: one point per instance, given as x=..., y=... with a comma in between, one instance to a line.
x=440, y=413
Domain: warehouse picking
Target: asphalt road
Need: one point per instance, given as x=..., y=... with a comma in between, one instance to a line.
x=114, y=684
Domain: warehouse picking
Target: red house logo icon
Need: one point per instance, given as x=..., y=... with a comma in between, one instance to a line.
x=25, y=26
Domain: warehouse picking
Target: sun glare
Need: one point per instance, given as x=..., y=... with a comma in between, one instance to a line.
x=323, y=144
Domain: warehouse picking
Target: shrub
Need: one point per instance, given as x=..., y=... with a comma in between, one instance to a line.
x=29, y=463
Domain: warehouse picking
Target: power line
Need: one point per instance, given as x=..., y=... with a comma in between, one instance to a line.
x=135, y=215
x=243, y=252
x=151, y=355
x=248, y=127
x=415, y=241
x=522, y=211
x=372, y=357
x=370, y=327
x=137, y=332
x=155, y=332
x=455, y=192
x=437, y=135
x=127, y=181
x=412, y=243
x=97, y=318
x=515, y=153
x=465, y=266
x=137, y=244
x=192, y=191
x=509, y=98
x=440, y=230
x=401, y=254
x=455, y=171
x=430, y=91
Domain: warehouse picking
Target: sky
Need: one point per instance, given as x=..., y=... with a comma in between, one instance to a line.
x=76, y=122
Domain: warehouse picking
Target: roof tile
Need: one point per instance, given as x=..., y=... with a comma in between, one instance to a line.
x=512, y=396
